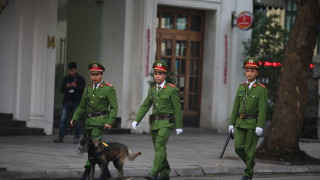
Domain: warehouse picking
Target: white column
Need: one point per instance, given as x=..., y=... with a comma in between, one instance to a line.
x=37, y=79
x=141, y=19
x=43, y=60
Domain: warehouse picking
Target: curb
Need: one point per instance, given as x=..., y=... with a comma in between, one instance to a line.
x=184, y=171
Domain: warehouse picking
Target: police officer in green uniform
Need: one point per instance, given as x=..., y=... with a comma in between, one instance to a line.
x=166, y=113
x=248, y=115
x=99, y=105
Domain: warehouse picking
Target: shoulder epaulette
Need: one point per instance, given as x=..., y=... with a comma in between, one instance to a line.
x=109, y=84
x=90, y=85
x=261, y=85
x=171, y=85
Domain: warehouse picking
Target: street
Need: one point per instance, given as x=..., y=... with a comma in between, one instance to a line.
x=259, y=177
x=304, y=176
x=193, y=155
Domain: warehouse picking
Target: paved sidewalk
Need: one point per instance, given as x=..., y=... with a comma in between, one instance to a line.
x=195, y=153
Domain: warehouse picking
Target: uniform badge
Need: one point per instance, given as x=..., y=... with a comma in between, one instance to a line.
x=159, y=64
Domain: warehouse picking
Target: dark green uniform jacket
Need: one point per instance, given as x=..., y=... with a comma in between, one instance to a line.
x=99, y=100
x=255, y=104
x=166, y=101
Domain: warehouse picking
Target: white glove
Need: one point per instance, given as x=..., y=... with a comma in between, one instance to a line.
x=179, y=131
x=231, y=129
x=259, y=131
x=134, y=124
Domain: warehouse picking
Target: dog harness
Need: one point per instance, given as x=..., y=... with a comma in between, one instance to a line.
x=104, y=151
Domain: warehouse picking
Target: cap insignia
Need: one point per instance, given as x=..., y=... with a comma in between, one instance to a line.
x=95, y=65
x=159, y=64
x=250, y=61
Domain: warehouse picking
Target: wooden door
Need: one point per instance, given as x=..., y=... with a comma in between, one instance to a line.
x=180, y=45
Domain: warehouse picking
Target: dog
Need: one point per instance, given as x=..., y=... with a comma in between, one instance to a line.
x=102, y=153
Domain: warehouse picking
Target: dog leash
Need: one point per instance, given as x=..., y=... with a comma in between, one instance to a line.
x=81, y=149
x=97, y=126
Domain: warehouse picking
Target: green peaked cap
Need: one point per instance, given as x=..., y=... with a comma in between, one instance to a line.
x=96, y=67
x=160, y=66
x=251, y=62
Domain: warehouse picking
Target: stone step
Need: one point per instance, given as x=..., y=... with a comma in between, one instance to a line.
x=6, y=131
x=3, y=169
x=5, y=116
x=12, y=123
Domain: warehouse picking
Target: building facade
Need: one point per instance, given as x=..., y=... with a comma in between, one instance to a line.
x=195, y=37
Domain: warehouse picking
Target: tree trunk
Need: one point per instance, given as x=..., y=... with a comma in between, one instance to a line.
x=282, y=138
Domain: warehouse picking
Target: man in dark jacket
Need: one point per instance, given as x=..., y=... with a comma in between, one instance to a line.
x=72, y=87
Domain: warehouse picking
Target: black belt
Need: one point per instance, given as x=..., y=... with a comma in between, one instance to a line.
x=96, y=114
x=246, y=116
x=162, y=117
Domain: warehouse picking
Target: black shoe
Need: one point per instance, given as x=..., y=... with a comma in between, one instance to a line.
x=86, y=173
x=150, y=177
x=246, y=178
x=163, y=178
x=58, y=140
x=106, y=174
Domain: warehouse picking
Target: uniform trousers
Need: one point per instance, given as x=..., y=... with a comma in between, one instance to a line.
x=245, y=146
x=160, y=138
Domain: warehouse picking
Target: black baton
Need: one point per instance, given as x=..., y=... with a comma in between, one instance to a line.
x=226, y=144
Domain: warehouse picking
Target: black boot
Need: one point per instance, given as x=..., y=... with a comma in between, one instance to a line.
x=150, y=177
x=106, y=174
x=86, y=173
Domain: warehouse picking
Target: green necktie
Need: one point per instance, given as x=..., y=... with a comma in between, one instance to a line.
x=95, y=87
x=159, y=88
